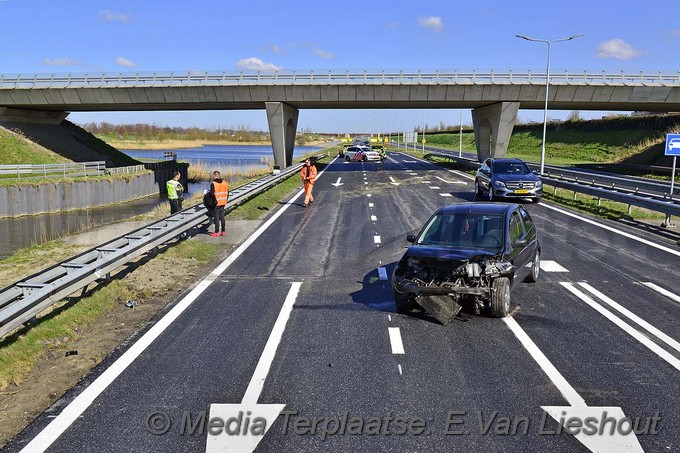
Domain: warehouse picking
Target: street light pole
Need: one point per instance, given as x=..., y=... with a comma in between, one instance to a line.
x=547, y=85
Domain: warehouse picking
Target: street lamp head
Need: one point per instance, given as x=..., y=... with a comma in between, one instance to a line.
x=523, y=37
x=575, y=36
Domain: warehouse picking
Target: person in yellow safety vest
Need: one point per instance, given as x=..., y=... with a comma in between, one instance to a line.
x=308, y=175
x=175, y=193
x=220, y=189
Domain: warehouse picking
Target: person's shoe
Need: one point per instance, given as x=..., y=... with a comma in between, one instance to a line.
x=224, y=234
x=214, y=234
x=304, y=205
x=311, y=201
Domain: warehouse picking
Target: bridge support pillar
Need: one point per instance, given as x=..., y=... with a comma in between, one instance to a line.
x=282, y=120
x=12, y=115
x=493, y=126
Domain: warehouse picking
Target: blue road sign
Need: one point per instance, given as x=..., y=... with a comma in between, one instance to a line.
x=673, y=145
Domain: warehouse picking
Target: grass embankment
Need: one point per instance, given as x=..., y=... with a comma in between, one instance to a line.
x=611, y=140
x=16, y=149
x=20, y=352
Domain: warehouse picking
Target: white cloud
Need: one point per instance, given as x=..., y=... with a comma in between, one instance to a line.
x=392, y=25
x=433, y=23
x=276, y=49
x=256, y=64
x=120, y=61
x=676, y=33
x=617, y=48
x=108, y=16
x=60, y=62
x=323, y=54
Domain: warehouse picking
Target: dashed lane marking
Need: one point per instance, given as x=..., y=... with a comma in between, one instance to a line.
x=552, y=266
x=395, y=340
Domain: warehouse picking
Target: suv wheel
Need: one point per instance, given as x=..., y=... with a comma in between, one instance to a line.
x=478, y=190
x=500, y=297
x=535, y=268
x=490, y=194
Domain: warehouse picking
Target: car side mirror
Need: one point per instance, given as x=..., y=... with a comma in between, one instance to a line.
x=520, y=243
x=411, y=238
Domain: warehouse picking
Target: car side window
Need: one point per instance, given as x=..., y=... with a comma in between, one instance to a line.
x=516, y=228
x=526, y=218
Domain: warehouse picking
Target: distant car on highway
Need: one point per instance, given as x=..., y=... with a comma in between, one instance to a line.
x=361, y=153
x=674, y=143
x=507, y=178
x=468, y=253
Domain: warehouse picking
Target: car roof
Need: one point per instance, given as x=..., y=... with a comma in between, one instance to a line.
x=506, y=159
x=477, y=208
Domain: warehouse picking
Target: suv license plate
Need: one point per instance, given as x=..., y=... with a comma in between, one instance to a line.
x=521, y=191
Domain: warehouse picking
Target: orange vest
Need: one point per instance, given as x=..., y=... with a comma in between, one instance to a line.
x=312, y=173
x=221, y=192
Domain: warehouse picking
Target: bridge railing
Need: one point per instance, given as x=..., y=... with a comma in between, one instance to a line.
x=70, y=170
x=334, y=77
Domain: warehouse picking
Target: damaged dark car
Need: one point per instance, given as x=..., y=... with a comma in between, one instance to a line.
x=468, y=253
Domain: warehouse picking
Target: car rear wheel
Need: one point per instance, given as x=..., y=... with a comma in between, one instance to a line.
x=478, y=190
x=404, y=303
x=490, y=194
x=536, y=200
x=347, y=159
x=535, y=268
x=500, y=297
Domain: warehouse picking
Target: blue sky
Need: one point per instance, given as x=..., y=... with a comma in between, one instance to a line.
x=79, y=36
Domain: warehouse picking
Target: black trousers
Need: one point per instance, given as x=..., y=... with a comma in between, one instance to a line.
x=218, y=216
x=175, y=206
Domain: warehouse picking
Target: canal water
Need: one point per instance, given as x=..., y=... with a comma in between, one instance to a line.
x=22, y=232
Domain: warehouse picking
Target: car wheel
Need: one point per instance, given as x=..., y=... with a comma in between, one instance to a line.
x=535, y=268
x=347, y=159
x=478, y=190
x=536, y=200
x=500, y=297
x=365, y=159
x=404, y=303
x=490, y=194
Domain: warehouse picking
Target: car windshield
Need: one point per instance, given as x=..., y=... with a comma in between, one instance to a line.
x=464, y=230
x=513, y=168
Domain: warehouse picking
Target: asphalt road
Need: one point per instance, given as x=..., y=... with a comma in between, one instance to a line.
x=597, y=330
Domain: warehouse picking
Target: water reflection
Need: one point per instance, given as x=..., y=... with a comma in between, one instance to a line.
x=22, y=232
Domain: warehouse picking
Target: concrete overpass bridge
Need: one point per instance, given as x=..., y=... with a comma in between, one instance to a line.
x=494, y=97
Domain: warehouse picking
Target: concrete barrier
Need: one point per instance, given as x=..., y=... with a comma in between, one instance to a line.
x=46, y=197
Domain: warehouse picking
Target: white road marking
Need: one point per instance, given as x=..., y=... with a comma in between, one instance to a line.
x=409, y=161
x=382, y=273
x=74, y=410
x=395, y=340
x=445, y=194
x=365, y=182
x=613, y=230
x=264, y=364
x=569, y=393
x=656, y=349
x=451, y=182
x=376, y=239
x=435, y=187
x=426, y=182
x=368, y=195
x=633, y=317
x=663, y=291
x=399, y=368
x=389, y=317
x=370, y=205
x=552, y=266
x=374, y=218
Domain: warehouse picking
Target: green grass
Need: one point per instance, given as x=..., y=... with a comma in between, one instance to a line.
x=20, y=352
x=15, y=149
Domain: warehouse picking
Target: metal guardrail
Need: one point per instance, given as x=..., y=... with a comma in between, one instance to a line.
x=435, y=76
x=601, y=187
x=125, y=170
x=23, y=300
x=65, y=170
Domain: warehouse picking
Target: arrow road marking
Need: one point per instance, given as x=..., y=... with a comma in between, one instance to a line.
x=394, y=182
x=232, y=413
x=578, y=409
x=337, y=183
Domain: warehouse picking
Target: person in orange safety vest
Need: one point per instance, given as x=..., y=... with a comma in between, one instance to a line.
x=308, y=175
x=219, y=188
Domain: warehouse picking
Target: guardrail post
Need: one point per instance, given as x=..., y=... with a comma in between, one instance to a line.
x=574, y=195
x=630, y=208
x=599, y=201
